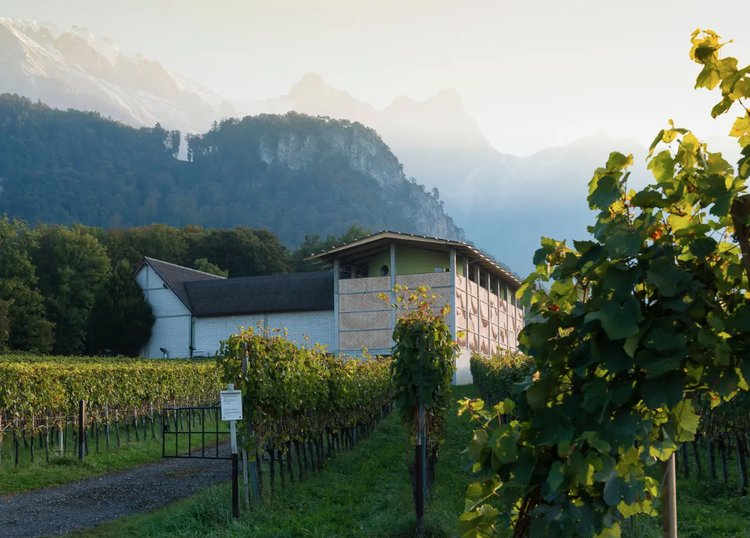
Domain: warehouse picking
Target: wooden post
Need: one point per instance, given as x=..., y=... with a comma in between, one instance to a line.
x=669, y=499
x=254, y=466
x=235, y=486
x=418, y=482
x=81, y=429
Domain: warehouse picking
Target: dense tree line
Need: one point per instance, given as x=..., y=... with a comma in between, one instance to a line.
x=70, y=289
x=69, y=167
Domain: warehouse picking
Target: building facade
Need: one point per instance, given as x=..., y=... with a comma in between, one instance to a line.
x=341, y=307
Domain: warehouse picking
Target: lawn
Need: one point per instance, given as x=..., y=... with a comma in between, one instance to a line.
x=63, y=469
x=60, y=470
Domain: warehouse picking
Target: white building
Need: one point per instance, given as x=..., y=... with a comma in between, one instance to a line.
x=339, y=308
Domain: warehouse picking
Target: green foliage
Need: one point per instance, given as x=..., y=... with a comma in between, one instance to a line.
x=240, y=251
x=314, y=244
x=236, y=252
x=628, y=330
x=121, y=320
x=72, y=265
x=22, y=314
x=51, y=386
x=423, y=361
x=497, y=377
x=295, y=393
x=202, y=264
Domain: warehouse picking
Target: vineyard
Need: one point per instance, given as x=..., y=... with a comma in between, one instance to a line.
x=723, y=436
x=495, y=376
x=721, y=442
x=40, y=401
x=301, y=405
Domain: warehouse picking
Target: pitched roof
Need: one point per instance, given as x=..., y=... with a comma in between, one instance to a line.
x=293, y=292
x=372, y=243
x=175, y=276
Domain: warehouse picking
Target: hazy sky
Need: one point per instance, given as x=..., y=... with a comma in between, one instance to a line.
x=533, y=73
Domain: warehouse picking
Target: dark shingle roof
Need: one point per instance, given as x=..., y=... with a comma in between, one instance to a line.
x=175, y=276
x=292, y=292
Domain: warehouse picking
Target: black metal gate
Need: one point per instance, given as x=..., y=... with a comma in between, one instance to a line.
x=194, y=432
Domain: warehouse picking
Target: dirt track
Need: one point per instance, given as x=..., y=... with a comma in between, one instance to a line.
x=90, y=502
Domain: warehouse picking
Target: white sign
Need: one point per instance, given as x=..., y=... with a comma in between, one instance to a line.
x=231, y=405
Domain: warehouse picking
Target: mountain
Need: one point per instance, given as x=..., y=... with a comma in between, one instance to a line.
x=73, y=69
x=503, y=202
x=292, y=174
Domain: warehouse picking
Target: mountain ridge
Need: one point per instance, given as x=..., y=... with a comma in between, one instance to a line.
x=293, y=174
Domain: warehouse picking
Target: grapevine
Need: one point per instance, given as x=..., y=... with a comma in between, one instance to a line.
x=629, y=331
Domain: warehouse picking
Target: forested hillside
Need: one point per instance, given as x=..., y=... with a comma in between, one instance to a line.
x=291, y=174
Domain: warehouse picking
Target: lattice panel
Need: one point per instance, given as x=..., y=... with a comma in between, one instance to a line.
x=483, y=294
x=379, y=339
x=460, y=299
x=433, y=280
x=442, y=297
x=484, y=328
x=364, y=320
x=473, y=323
x=494, y=314
x=361, y=302
x=460, y=319
x=357, y=285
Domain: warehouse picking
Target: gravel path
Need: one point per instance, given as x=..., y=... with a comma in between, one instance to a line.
x=90, y=502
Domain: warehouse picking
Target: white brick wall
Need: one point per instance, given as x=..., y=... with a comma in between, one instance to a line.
x=173, y=334
x=163, y=302
x=172, y=325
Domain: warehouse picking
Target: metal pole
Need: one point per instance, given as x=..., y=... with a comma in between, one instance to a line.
x=669, y=499
x=245, y=477
x=235, y=465
x=81, y=429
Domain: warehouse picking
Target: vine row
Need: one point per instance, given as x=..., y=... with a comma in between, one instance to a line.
x=301, y=401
